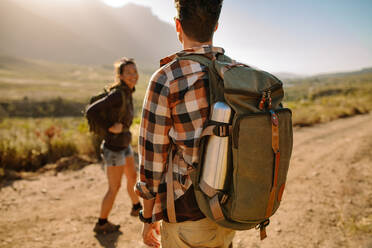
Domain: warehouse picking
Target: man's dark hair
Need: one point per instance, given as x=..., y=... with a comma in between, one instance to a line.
x=199, y=17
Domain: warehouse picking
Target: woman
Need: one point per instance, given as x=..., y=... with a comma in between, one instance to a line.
x=117, y=153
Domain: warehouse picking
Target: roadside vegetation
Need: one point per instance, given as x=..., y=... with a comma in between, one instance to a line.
x=325, y=98
x=28, y=144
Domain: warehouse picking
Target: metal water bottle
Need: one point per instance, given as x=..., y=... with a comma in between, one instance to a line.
x=215, y=158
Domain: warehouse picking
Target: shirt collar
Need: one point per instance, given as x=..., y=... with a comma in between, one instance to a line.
x=205, y=49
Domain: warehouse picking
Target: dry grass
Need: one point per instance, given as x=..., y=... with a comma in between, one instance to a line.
x=27, y=144
x=319, y=103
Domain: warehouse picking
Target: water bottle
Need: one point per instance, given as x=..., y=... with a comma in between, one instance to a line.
x=215, y=158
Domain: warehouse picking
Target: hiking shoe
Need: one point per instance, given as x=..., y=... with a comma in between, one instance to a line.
x=135, y=211
x=106, y=228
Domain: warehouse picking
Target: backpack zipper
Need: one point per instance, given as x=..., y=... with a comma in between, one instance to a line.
x=269, y=98
x=274, y=89
x=261, y=105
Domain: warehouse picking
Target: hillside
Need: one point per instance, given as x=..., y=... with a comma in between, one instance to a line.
x=19, y=77
x=40, y=88
x=84, y=32
x=362, y=75
x=364, y=71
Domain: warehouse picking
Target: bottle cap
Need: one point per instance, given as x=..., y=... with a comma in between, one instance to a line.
x=221, y=112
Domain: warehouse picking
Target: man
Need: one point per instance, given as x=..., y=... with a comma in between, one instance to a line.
x=175, y=110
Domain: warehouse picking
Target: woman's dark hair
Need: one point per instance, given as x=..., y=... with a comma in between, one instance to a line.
x=199, y=17
x=119, y=69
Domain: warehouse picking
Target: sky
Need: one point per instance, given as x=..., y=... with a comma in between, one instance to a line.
x=301, y=37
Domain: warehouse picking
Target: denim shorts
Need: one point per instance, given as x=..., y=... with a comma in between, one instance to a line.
x=115, y=158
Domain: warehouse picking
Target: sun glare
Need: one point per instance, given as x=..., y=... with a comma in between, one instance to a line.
x=116, y=3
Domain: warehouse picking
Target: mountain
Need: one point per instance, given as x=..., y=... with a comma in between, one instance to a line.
x=285, y=76
x=83, y=32
x=362, y=72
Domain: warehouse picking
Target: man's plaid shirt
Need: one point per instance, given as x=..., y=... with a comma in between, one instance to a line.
x=175, y=110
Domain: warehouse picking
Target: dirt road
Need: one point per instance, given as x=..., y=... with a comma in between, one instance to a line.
x=327, y=203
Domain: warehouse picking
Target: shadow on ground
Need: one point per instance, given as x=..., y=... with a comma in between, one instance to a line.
x=108, y=240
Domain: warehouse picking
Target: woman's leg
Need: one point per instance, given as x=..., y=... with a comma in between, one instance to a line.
x=114, y=176
x=131, y=175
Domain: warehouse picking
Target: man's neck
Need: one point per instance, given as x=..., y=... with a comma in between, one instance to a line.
x=190, y=43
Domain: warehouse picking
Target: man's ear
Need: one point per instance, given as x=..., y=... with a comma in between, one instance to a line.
x=179, y=30
x=178, y=26
x=215, y=29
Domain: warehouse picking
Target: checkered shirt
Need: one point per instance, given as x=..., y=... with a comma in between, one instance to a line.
x=175, y=110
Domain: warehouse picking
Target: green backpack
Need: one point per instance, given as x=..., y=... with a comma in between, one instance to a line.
x=260, y=145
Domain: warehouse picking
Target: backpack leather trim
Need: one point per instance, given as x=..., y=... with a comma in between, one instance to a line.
x=275, y=147
x=214, y=203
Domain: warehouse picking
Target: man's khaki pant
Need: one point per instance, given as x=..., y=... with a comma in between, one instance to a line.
x=200, y=234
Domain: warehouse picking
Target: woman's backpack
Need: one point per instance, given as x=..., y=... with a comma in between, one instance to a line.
x=260, y=145
x=111, y=114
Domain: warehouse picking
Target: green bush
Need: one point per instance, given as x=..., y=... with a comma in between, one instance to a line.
x=56, y=107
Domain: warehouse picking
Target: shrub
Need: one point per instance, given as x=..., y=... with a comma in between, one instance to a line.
x=28, y=144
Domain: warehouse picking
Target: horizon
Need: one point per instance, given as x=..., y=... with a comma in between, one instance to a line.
x=282, y=74
x=310, y=38
x=289, y=37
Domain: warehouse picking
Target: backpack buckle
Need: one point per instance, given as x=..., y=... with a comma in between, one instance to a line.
x=263, y=224
x=262, y=227
x=224, y=198
x=221, y=130
x=274, y=118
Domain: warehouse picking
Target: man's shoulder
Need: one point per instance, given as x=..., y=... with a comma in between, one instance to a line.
x=176, y=70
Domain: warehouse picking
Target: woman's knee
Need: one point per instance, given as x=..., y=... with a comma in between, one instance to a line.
x=114, y=188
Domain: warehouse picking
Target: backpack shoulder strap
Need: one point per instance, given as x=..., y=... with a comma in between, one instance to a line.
x=122, y=112
x=215, y=87
x=171, y=210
